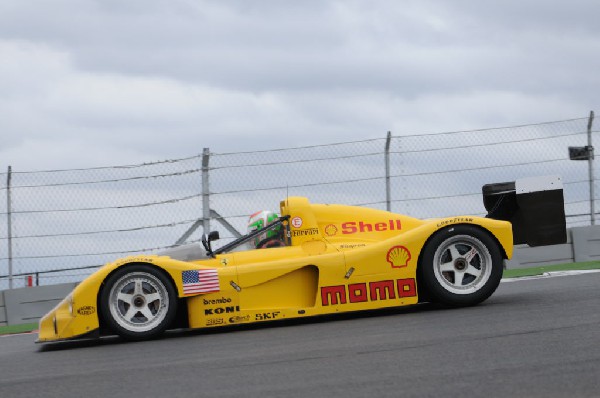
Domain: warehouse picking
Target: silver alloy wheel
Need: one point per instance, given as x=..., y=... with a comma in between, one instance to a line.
x=138, y=302
x=462, y=264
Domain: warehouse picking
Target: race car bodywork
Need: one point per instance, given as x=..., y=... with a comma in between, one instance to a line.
x=336, y=259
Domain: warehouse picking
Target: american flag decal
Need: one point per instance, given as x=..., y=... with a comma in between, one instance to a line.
x=200, y=281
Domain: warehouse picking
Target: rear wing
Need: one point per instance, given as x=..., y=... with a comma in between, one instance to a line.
x=534, y=206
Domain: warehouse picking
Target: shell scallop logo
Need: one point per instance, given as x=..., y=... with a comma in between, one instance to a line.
x=330, y=230
x=398, y=257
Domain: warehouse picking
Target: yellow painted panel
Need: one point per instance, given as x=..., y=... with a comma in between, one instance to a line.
x=297, y=289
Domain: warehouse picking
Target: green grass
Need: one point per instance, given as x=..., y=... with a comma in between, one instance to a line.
x=509, y=273
x=27, y=327
x=518, y=272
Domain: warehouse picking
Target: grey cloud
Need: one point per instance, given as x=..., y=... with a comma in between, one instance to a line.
x=164, y=78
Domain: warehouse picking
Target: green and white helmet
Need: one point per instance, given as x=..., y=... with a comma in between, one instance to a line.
x=260, y=220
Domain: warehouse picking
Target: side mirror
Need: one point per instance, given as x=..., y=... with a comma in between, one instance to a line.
x=212, y=236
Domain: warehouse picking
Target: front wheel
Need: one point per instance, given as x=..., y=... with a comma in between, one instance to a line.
x=138, y=302
x=461, y=265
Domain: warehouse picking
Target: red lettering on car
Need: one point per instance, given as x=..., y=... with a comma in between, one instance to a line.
x=365, y=227
x=333, y=294
x=349, y=228
x=380, y=226
x=375, y=291
x=406, y=288
x=382, y=290
x=357, y=293
x=352, y=227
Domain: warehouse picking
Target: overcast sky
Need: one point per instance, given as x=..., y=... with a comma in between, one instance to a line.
x=92, y=83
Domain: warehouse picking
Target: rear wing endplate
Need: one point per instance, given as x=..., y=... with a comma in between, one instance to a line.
x=534, y=206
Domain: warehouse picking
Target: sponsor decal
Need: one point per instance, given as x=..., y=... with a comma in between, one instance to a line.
x=296, y=222
x=398, y=257
x=141, y=259
x=222, y=300
x=267, y=315
x=239, y=319
x=86, y=310
x=353, y=227
x=372, y=291
x=215, y=321
x=222, y=310
x=455, y=220
x=305, y=232
x=200, y=281
x=331, y=230
x=352, y=246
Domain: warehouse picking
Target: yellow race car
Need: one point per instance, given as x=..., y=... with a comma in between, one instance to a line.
x=323, y=259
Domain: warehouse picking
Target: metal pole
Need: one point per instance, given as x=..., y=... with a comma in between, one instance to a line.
x=591, y=168
x=205, y=192
x=226, y=224
x=9, y=224
x=388, y=195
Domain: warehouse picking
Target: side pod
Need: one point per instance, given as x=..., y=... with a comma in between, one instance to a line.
x=534, y=206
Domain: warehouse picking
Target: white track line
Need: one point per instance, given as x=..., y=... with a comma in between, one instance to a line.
x=18, y=334
x=552, y=274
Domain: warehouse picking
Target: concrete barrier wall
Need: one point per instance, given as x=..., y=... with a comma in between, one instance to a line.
x=2, y=310
x=28, y=305
x=583, y=244
x=586, y=243
x=525, y=256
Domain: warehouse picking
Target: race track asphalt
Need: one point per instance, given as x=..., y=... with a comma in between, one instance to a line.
x=536, y=338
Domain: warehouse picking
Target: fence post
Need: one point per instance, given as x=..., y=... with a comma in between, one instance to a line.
x=9, y=226
x=591, y=168
x=388, y=195
x=205, y=191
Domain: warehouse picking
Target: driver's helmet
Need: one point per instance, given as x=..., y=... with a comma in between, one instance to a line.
x=260, y=220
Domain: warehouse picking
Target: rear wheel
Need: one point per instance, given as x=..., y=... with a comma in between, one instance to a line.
x=138, y=302
x=461, y=265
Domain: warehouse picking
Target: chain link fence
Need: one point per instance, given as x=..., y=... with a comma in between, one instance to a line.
x=59, y=225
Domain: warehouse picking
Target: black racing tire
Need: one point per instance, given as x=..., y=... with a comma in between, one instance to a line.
x=461, y=265
x=138, y=302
